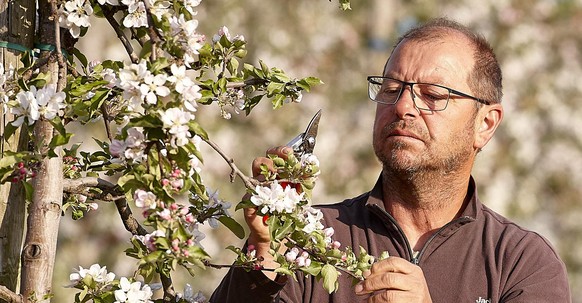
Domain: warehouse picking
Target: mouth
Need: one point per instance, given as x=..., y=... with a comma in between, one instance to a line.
x=403, y=133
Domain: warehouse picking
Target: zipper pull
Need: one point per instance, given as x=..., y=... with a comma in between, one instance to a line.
x=415, y=255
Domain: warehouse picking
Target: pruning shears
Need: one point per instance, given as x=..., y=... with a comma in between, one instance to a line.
x=305, y=141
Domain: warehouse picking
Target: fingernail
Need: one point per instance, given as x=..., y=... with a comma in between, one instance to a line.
x=366, y=273
x=358, y=288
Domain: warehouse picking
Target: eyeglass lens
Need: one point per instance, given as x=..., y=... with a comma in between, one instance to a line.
x=426, y=96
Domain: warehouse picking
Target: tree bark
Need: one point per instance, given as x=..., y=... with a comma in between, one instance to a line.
x=44, y=212
x=17, y=19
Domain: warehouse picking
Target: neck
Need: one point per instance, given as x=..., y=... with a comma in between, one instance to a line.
x=422, y=203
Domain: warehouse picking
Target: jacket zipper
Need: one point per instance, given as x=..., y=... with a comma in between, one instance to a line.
x=416, y=259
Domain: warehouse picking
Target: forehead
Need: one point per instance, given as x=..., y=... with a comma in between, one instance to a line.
x=445, y=60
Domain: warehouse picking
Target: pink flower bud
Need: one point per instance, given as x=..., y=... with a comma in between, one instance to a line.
x=336, y=244
x=173, y=206
x=165, y=182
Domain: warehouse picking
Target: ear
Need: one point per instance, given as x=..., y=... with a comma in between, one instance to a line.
x=488, y=119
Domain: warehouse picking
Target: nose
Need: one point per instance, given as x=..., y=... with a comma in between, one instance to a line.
x=405, y=107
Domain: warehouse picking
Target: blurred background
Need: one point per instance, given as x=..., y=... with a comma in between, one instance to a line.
x=531, y=172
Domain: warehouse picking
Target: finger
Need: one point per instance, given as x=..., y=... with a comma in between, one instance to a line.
x=281, y=151
x=256, y=167
x=393, y=264
x=385, y=281
x=392, y=296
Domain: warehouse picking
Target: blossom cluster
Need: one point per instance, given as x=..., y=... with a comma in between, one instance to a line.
x=35, y=104
x=99, y=284
x=75, y=14
x=276, y=199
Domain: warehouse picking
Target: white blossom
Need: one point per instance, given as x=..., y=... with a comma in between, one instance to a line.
x=27, y=107
x=98, y=273
x=312, y=219
x=110, y=2
x=132, y=292
x=137, y=16
x=276, y=199
x=176, y=121
x=153, y=86
x=145, y=199
x=50, y=103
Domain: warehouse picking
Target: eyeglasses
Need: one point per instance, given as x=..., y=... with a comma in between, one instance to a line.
x=426, y=96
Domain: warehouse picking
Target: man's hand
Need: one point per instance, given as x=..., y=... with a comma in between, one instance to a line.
x=259, y=231
x=394, y=280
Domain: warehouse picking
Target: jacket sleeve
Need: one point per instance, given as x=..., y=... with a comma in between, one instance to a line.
x=539, y=275
x=240, y=286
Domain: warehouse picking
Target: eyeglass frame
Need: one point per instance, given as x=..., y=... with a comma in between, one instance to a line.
x=411, y=84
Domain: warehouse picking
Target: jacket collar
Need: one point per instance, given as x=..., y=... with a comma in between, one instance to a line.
x=471, y=210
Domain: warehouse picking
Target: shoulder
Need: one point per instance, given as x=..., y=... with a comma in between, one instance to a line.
x=346, y=213
x=527, y=261
x=517, y=246
x=511, y=232
x=355, y=204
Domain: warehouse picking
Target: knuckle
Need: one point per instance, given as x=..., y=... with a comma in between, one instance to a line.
x=389, y=280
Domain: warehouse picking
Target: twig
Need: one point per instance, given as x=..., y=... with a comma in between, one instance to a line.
x=155, y=38
x=81, y=185
x=106, y=120
x=62, y=80
x=120, y=35
x=9, y=296
x=322, y=258
x=246, y=83
x=250, y=183
x=221, y=266
x=167, y=285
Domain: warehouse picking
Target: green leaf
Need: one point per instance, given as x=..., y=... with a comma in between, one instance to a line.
x=278, y=101
x=284, y=271
x=197, y=129
x=77, y=214
x=329, y=275
x=9, y=130
x=264, y=68
x=314, y=269
x=244, y=204
x=233, y=225
x=80, y=56
x=274, y=88
x=57, y=123
x=59, y=140
x=28, y=190
x=307, y=83
x=282, y=231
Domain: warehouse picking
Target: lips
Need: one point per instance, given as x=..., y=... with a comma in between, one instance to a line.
x=403, y=133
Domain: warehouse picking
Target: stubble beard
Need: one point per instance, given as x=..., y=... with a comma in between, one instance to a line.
x=399, y=161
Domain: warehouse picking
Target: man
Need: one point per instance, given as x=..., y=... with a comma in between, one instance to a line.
x=438, y=106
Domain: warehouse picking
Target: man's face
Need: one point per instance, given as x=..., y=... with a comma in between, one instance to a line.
x=412, y=141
